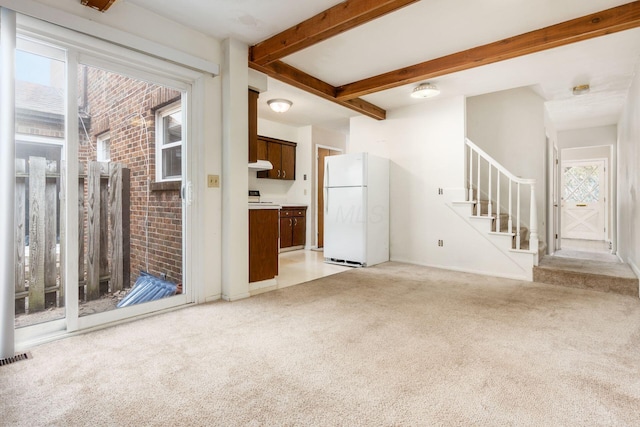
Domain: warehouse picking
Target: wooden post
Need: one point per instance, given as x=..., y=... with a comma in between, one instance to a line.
x=81, y=220
x=115, y=212
x=93, y=232
x=20, y=212
x=51, y=232
x=63, y=234
x=126, y=227
x=37, y=166
x=104, y=226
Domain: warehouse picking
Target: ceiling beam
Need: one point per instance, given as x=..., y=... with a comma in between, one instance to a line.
x=597, y=24
x=333, y=21
x=101, y=5
x=297, y=78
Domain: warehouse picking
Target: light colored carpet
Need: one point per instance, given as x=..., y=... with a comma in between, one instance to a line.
x=392, y=345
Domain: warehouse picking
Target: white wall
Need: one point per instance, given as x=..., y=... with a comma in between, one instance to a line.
x=425, y=144
x=510, y=127
x=629, y=178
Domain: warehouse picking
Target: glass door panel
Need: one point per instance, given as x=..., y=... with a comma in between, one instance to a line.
x=40, y=146
x=130, y=178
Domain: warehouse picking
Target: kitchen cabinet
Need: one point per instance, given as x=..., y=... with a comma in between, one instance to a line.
x=253, y=126
x=263, y=244
x=281, y=154
x=293, y=227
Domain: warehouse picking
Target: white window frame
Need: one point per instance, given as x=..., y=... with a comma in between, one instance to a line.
x=160, y=145
x=103, y=141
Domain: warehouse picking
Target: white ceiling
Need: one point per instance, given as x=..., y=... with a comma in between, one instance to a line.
x=425, y=30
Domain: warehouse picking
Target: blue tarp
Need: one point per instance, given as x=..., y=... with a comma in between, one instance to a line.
x=148, y=288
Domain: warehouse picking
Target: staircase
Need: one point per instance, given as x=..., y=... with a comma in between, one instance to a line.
x=502, y=207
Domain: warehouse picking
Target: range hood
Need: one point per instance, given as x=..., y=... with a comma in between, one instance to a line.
x=261, y=165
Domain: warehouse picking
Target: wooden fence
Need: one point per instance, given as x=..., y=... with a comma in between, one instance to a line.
x=103, y=232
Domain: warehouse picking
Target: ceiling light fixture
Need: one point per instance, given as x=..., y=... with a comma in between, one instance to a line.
x=425, y=90
x=279, y=105
x=581, y=89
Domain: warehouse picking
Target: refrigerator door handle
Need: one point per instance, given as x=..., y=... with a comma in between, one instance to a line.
x=326, y=174
x=326, y=200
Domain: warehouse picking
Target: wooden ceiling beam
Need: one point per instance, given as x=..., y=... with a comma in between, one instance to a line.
x=297, y=78
x=101, y=5
x=333, y=21
x=590, y=26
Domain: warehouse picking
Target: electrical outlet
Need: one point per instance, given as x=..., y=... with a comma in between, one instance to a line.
x=441, y=243
x=213, y=181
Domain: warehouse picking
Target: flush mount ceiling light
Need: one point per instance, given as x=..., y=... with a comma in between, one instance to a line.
x=425, y=90
x=581, y=89
x=279, y=105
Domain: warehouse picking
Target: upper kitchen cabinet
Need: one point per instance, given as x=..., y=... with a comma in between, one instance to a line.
x=253, y=126
x=281, y=154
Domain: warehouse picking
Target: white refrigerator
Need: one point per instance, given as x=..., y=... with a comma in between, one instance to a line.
x=356, y=209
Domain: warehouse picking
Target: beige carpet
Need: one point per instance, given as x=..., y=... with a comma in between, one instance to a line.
x=393, y=345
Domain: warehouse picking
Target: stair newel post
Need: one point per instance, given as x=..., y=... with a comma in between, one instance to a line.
x=471, y=173
x=498, y=203
x=489, y=207
x=518, y=215
x=478, y=190
x=510, y=222
x=533, y=224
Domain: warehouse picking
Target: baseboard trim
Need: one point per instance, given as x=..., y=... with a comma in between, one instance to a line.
x=466, y=270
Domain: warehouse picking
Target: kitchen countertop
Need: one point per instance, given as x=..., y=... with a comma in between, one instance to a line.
x=294, y=205
x=263, y=206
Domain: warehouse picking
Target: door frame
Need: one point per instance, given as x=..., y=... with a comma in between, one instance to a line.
x=320, y=188
x=88, y=50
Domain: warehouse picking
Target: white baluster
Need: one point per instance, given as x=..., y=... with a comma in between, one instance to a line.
x=478, y=190
x=498, y=203
x=489, y=207
x=471, y=173
x=518, y=217
x=533, y=224
x=510, y=221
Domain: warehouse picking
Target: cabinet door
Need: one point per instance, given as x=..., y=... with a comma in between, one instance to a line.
x=288, y=162
x=263, y=244
x=286, y=231
x=299, y=231
x=274, y=152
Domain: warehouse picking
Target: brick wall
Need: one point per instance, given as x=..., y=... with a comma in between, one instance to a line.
x=126, y=109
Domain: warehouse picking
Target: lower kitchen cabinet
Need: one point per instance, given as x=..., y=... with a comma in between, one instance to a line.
x=293, y=227
x=263, y=244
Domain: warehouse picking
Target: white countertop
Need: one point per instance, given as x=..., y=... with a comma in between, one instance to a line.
x=294, y=205
x=264, y=205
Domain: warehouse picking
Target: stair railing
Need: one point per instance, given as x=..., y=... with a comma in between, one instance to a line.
x=481, y=159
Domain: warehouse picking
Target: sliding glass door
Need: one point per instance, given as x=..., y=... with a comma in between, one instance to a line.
x=102, y=183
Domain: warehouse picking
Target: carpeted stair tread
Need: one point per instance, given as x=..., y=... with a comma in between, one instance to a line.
x=587, y=274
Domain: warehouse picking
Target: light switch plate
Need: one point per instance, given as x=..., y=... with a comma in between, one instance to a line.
x=213, y=181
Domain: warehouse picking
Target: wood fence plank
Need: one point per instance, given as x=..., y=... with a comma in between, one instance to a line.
x=20, y=212
x=115, y=212
x=81, y=225
x=93, y=232
x=37, y=167
x=104, y=226
x=126, y=227
x=51, y=232
x=63, y=234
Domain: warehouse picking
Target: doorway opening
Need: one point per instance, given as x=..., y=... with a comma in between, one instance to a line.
x=586, y=205
x=321, y=153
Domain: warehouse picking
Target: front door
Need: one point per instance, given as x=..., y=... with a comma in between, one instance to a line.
x=584, y=199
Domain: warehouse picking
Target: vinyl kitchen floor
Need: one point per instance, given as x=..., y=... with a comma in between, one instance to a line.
x=304, y=265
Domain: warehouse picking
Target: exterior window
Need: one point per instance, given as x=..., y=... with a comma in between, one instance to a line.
x=104, y=147
x=169, y=143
